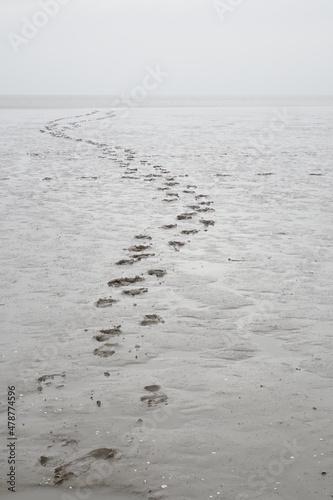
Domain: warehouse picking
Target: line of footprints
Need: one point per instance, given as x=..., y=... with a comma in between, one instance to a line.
x=170, y=188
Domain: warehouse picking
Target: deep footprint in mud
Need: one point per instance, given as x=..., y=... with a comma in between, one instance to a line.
x=169, y=226
x=81, y=465
x=151, y=319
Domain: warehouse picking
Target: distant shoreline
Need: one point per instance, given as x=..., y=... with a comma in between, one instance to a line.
x=101, y=101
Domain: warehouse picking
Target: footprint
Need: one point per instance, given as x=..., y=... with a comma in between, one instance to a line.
x=106, y=350
x=105, y=335
x=190, y=231
x=139, y=248
x=47, y=379
x=154, y=398
x=136, y=291
x=124, y=262
x=151, y=319
x=152, y=388
x=105, y=302
x=125, y=281
x=176, y=244
x=143, y=256
x=185, y=216
x=201, y=196
x=81, y=465
x=205, y=209
x=142, y=237
x=172, y=193
x=207, y=222
x=159, y=273
x=169, y=226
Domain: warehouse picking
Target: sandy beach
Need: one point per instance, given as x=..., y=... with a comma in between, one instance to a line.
x=166, y=303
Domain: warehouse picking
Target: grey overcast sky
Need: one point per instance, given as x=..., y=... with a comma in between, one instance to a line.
x=207, y=47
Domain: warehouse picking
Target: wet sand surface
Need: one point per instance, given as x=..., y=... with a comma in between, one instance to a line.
x=167, y=305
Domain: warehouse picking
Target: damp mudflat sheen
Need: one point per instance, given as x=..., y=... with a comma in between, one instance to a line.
x=167, y=299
